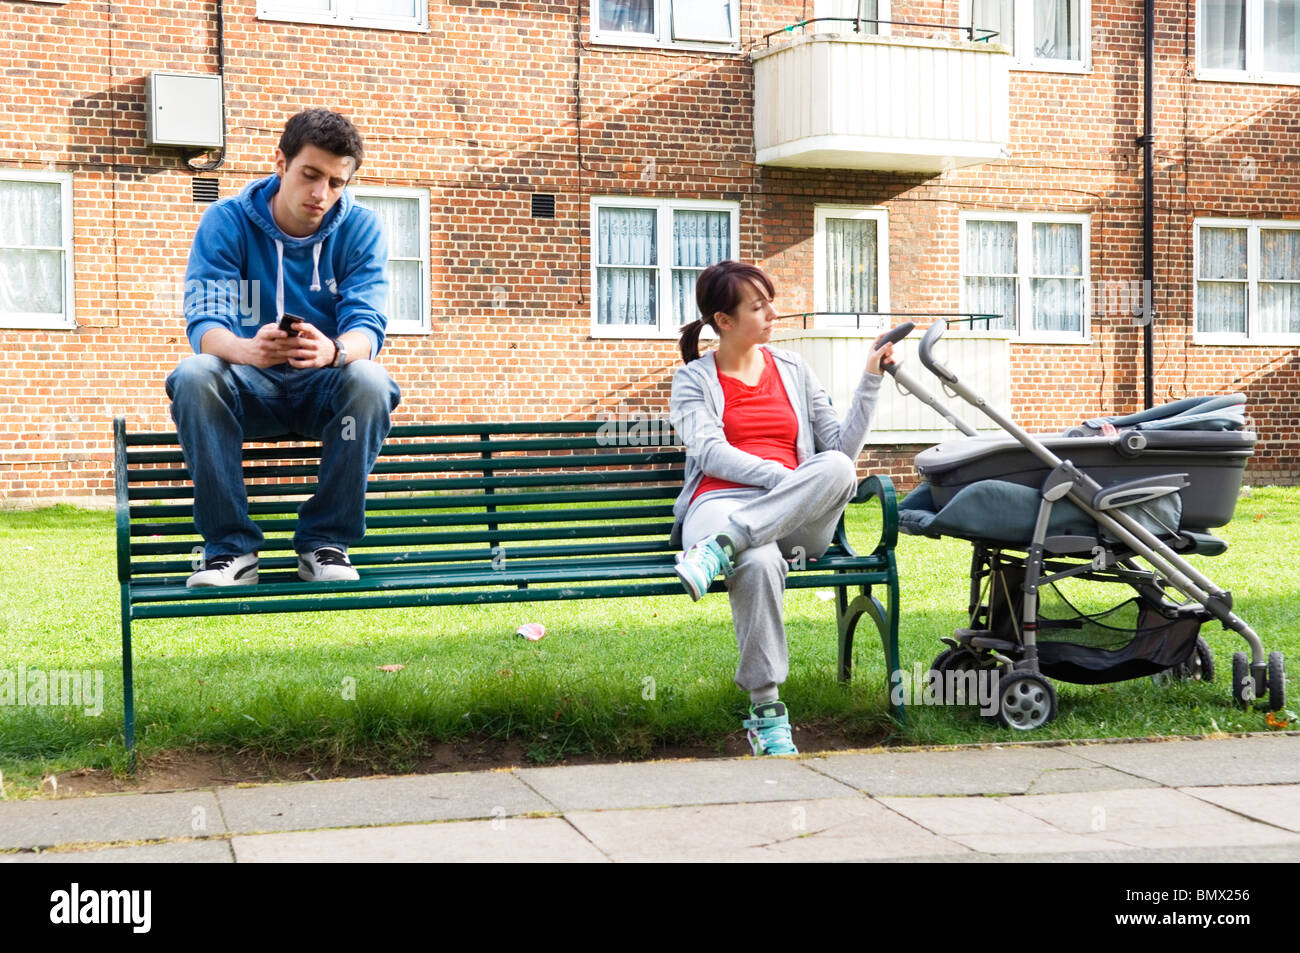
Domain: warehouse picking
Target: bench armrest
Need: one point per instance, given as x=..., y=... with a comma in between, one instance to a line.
x=881, y=487
x=120, y=487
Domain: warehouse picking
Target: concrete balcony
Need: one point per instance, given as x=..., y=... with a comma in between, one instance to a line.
x=902, y=104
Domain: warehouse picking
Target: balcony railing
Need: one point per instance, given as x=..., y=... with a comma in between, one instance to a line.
x=856, y=100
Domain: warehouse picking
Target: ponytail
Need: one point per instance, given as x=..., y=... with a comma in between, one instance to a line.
x=689, y=344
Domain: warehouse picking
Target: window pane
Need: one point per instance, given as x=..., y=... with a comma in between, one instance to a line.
x=1056, y=29
x=626, y=236
x=685, y=308
x=1223, y=34
x=627, y=16
x=1279, y=308
x=31, y=282
x=996, y=15
x=1221, y=306
x=708, y=20
x=626, y=296
x=299, y=6
x=31, y=213
x=405, y=9
x=400, y=217
x=991, y=248
x=1281, y=36
x=701, y=239
x=404, y=298
x=1223, y=253
x=1279, y=253
x=1058, y=248
x=1058, y=304
x=852, y=255
x=848, y=8
x=992, y=296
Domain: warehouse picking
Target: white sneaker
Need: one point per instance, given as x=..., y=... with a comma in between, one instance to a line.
x=326, y=564
x=226, y=571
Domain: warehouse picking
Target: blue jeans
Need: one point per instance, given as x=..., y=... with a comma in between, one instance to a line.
x=217, y=406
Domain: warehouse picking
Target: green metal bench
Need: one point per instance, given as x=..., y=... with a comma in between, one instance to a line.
x=459, y=514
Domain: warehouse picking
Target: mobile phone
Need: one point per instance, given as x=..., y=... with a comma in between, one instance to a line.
x=286, y=324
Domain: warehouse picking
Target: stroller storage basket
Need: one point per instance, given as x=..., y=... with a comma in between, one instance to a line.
x=1138, y=637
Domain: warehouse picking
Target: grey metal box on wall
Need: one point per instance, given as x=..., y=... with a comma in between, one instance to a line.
x=183, y=109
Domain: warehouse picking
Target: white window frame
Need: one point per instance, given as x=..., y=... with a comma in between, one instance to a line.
x=344, y=13
x=1024, y=40
x=1254, y=52
x=827, y=8
x=820, y=294
x=665, y=329
x=662, y=37
x=67, y=320
x=398, y=326
x=1024, y=331
x=1248, y=338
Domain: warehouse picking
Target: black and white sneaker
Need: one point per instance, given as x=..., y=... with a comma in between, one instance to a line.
x=226, y=571
x=326, y=564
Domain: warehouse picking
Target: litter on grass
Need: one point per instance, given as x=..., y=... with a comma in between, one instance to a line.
x=532, y=631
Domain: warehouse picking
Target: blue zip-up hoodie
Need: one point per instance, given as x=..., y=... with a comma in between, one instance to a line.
x=335, y=279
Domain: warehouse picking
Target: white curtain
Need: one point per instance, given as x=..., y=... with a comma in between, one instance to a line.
x=852, y=255
x=1221, y=281
x=399, y=216
x=991, y=254
x=1056, y=284
x=626, y=295
x=1279, y=281
x=1056, y=29
x=707, y=20
x=867, y=9
x=998, y=15
x=1282, y=36
x=627, y=16
x=1223, y=34
x=31, y=234
x=700, y=238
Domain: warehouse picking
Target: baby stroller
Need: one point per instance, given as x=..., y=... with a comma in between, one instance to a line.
x=1119, y=500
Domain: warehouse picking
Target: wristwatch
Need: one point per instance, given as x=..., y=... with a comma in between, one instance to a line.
x=340, y=353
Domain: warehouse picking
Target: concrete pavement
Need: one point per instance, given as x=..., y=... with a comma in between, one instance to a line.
x=1226, y=799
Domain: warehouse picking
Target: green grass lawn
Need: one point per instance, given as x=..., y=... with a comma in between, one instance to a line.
x=612, y=677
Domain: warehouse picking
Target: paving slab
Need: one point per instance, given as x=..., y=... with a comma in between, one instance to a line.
x=546, y=839
x=1176, y=855
x=1038, y=843
x=1112, y=811
x=1179, y=764
x=983, y=771
x=214, y=851
x=1239, y=833
x=835, y=829
x=1278, y=805
x=108, y=818
x=375, y=801
x=953, y=816
x=676, y=783
x=1068, y=780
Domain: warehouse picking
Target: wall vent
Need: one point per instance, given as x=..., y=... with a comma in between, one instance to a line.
x=205, y=190
x=543, y=205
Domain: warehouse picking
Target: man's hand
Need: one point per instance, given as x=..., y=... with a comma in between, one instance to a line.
x=310, y=348
x=270, y=346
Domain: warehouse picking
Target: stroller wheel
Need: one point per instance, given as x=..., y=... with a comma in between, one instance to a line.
x=1198, y=668
x=1243, y=684
x=1026, y=700
x=957, y=661
x=1276, y=682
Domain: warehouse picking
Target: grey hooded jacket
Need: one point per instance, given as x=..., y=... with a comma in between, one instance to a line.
x=695, y=410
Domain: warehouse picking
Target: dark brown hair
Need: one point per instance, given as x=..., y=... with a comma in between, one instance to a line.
x=720, y=288
x=323, y=129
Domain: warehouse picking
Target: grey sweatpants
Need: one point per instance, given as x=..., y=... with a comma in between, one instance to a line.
x=794, y=519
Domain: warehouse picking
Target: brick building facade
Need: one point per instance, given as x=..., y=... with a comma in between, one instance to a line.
x=478, y=105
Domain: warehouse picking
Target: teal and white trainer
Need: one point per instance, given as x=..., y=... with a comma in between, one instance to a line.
x=701, y=564
x=769, y=729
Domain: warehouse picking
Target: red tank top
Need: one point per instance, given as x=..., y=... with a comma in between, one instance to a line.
x=759, y=420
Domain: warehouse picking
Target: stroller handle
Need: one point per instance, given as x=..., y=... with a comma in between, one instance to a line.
x=932, y=335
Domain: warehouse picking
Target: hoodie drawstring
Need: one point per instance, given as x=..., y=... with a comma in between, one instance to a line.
x=279, y=280
x=315, y=267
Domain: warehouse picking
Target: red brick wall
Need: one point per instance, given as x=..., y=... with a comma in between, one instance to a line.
x=482, y=111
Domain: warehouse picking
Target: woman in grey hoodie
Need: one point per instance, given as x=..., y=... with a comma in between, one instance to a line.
x=769, y=470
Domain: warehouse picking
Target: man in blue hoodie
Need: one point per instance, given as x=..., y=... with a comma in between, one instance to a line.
x=291, y=244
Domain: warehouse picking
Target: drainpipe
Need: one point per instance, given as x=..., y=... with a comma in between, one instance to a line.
x=1148, y=208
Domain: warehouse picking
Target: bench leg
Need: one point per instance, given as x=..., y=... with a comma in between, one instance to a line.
x=128, y=683
x=886, y=620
